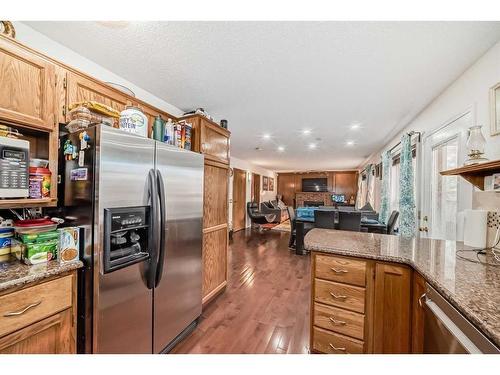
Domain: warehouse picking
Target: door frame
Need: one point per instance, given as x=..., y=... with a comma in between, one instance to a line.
x=234, y=208
x=464, y=196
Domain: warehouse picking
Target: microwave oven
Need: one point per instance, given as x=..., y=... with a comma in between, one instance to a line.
x=14, y=168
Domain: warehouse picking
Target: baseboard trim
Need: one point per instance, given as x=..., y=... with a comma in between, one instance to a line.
x=214, y=293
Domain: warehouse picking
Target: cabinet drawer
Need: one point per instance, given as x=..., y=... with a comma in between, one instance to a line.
x=26, y=306
x=340, y=269
x=333, y=343
x=340, y=295
x=338, y=320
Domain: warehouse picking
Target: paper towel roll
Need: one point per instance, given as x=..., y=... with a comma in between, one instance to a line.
x=475, y=228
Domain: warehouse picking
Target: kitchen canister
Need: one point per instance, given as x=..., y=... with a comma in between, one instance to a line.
x=133, y=120
x=475, y=228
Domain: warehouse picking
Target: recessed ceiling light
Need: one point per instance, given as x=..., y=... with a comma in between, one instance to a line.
x=266, y=136
x=281, y=148
x=306, y=131
x=355, y=125
x=349, y=143
x=259, y=149
x=312, y=146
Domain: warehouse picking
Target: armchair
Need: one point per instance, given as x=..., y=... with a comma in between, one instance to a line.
x=258, y=217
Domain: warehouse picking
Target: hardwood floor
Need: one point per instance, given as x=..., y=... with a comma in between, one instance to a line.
x=265, y=308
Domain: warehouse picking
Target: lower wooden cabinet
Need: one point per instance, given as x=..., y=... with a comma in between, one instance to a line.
x=40, y=318
x=417, y=315
x=366, y=309
x=392, y=313
x=52, y=335
x=214, y=262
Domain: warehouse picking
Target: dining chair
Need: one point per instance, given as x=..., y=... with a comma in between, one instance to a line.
x=349, y=220
x=293, y=230
x=391, y=223
x=324, y=219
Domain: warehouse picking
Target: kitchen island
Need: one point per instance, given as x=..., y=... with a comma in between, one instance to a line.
x=396, y=270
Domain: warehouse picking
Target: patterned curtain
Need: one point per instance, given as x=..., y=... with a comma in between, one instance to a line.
x=360, y=186
x=384, y=199
x=370, y=184
x=406, y=197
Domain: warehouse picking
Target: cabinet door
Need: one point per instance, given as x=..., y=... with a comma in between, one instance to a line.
x=417, y=316
x=214, y=261
x=215, y=206
x=391, y=324
x=28, y=87
x=214, y=142
x=53, y=335
x=80, y=88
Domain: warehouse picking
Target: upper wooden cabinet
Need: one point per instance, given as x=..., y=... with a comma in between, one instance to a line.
x=209, y=139
x=27, y=87
x=79, y=88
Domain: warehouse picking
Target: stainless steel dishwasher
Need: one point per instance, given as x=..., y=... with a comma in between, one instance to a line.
x=446, y=330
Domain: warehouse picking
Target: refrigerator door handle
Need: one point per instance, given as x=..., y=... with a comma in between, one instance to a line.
x=153, y=236
x=163, y=227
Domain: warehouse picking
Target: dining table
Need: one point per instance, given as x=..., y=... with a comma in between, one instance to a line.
x=305, y=223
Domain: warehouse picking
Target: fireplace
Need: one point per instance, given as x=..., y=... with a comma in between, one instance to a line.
x=313, y=203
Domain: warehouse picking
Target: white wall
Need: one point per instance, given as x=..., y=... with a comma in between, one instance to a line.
x=49, y=47
x=470, y=90
x=250, y=168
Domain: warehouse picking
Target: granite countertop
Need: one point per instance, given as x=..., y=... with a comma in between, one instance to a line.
x=474, y=289
x=16, y=274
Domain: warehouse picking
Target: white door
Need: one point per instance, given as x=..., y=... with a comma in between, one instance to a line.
x=443, y=197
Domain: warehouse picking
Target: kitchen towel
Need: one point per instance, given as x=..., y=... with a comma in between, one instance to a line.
x=475, y=228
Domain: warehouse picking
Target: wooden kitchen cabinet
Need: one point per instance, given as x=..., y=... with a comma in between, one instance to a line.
x=392, y=312
x=28, y=87
x=80, y=88
x=209, y=138
x=52, y=335
x=362, y=306
x=40, y=318
x=417, y=315
x=215, y=229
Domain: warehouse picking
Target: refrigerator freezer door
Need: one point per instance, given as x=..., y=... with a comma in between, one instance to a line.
x=177, y=297
x=124, y=304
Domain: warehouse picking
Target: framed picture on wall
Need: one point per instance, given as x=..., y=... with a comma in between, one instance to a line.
x=495, y=109
x=265, y=183
x=271, y=184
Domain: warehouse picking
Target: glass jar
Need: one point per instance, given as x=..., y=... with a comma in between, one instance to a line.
x=475, y=145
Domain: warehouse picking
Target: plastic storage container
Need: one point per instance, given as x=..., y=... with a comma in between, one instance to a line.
x=133, y=120
x=39, y=182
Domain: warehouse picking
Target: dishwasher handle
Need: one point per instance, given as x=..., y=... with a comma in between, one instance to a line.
x=452, y=328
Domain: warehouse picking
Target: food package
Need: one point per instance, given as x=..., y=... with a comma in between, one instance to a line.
x=34, y=253
x=69, y=243
x=100, y=108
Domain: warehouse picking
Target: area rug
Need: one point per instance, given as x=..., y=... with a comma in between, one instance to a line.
x=283, y=227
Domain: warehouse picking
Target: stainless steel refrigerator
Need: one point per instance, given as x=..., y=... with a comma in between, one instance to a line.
x=140, y=204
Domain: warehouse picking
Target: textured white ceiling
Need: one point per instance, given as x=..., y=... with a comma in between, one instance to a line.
x=281, y=77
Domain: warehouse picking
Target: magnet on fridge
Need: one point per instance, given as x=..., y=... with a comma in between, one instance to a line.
x=81, y=158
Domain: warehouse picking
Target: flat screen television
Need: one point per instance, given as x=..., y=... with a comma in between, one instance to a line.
x=338, y=198
x=314, y=184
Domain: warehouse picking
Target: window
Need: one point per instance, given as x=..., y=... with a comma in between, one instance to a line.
x=444, y=191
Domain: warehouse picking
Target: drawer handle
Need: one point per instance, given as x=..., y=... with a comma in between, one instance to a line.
x=21, y=312
x=338, y=296
x=335, y=321
x=336, y=270
x=335, y=348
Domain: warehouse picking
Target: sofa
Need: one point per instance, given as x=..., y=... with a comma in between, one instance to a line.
x=275, y=207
